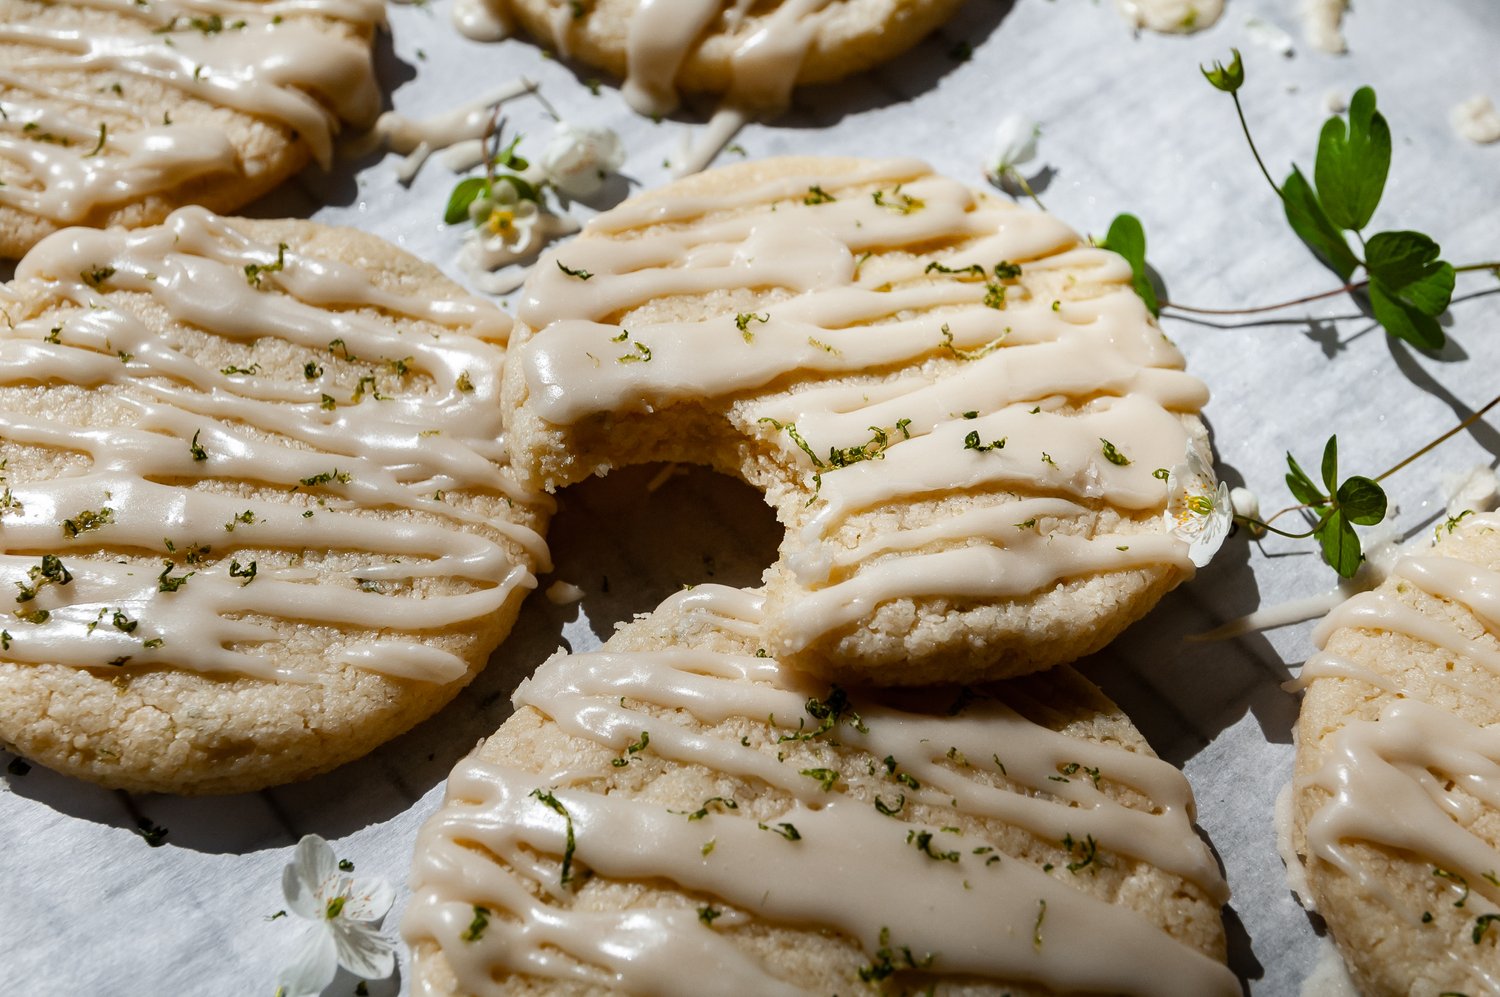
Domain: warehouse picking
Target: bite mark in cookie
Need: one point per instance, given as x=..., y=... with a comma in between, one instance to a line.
x=961, y=412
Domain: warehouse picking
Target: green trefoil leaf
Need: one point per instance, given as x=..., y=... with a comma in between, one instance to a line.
x=1304, y=212
x=1340, y=544
x=1331, y=464
x=1409, y=286
x=1301, y=486
x=1352, y=162
x=1362, y=501
x=1127, y=237
x=464, y=195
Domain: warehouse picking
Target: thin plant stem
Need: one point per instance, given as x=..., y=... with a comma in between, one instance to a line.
x=1432, y=445
x=1267, y=308
x=1247, y=521
x=1478, y=414
x=492, y=132
x=1245, y=127
x=1346, y=289
x=1026, y=188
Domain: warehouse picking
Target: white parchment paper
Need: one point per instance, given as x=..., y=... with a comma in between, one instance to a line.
x=1129, y=125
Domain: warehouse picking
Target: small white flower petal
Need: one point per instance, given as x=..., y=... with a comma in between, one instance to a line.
x=1015, y=144
x=314, y=964
x=362, y=949
x=369, y=900
x=1198, y=508
x=1215, y=528
x=578, y=157
x=307, y=882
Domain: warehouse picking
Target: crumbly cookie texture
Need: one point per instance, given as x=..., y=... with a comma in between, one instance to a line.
x=843, y=37
x=115, y=114
x=1395, y=816
x=641, y=814
x=960, y=410
x=248, y=533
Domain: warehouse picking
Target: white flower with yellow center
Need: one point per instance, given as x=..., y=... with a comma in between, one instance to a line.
x=505, y=221
x=1198, y=506
x=345, y=913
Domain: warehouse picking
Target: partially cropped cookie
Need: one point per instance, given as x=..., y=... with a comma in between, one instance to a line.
x=752, y=54
x=254, y=515
x=116, y=113
x=963, y=414
x=679, y=814
x=1396, y=802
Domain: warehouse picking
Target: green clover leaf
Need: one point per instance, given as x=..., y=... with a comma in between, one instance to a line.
x=1127, y=237
x=464, y=195
x=1305, y=213
x=1352, y=162
x=1409, y=286
x=1357, y=501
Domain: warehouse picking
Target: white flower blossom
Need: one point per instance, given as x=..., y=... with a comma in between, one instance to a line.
x=486, y=250
x=345, y=913
x=506, y=222
x=1198, y=507
x=579, y=157
x=1015, y=146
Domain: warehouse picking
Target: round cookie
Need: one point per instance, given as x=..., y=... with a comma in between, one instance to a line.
x=962, y=413
x=255, y=519
x=678, y=814
x=755, y=55
x=1396, y=800
x=117, y=112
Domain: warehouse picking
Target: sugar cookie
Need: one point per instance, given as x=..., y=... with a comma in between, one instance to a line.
x=117, y=111
x=676, y=814
x=962, y=413
x=254, y=520
x=753, y=55
x=1396, y=802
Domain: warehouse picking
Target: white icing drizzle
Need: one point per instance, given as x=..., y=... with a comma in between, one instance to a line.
x=275, y=60
x=1323, y=24
x=1064, y=378
x=1171, y=16
x=662, y=35
x=1476, y=120
x=460, y=131
x=366, y=453
x=1388, y=779
x=852, y=870
x=1417, y=777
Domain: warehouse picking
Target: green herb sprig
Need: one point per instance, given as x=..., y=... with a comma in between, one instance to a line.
x=1405, y=282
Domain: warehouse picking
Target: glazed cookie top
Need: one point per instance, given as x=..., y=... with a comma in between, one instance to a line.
x=753, y=54
x=963, y=413
x=1396, y=802
x=677, y=813
x=116, y=111
x=251, y=477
